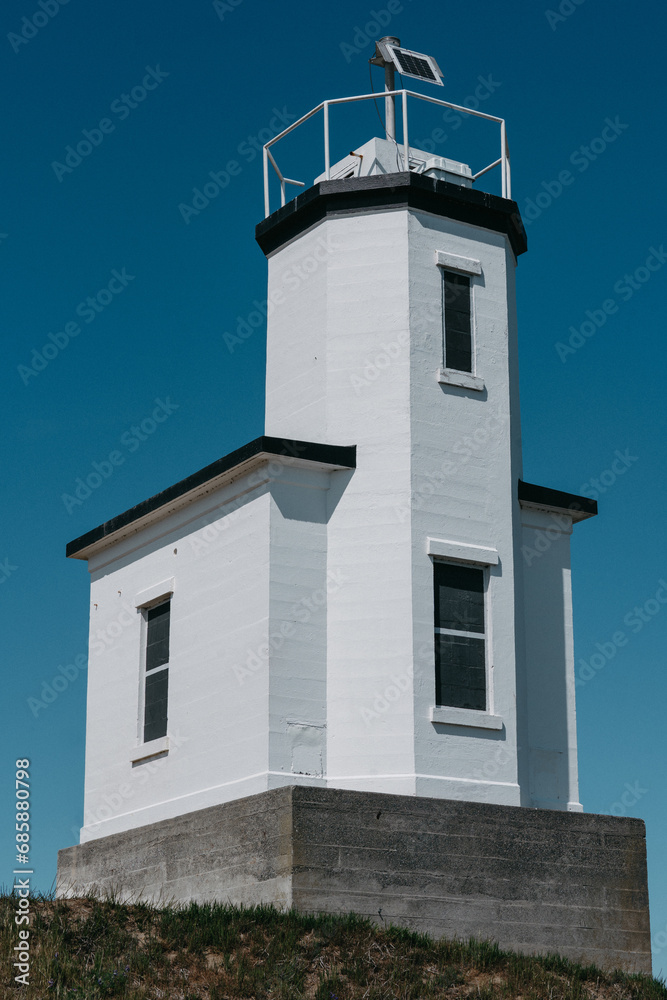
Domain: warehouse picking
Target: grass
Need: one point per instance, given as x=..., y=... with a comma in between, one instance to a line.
x=85, y=949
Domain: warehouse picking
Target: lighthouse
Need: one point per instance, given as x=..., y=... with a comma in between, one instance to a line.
x=366, y=612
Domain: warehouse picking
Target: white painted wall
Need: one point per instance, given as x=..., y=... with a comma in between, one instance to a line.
x=449, y=455
x=218, y=734
x=364, y=282
x=550, y=679
x=370, y=627
x=302, y=614
x=243, y=561
x=381, y=391
x=296, y=384
x=297, y=633
x=465, y=465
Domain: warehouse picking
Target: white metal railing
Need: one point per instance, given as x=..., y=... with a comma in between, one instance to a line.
x=503, y=160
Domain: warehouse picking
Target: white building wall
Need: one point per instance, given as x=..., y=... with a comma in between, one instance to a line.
x=296, y=347
x=464, y=461
x=247, y=564
x=217, y=729
x=550, y=679
x=378, y=349
x=363, y=372
x=302, y=611
x=297, y=629
x=382, y=352
x=371, y=731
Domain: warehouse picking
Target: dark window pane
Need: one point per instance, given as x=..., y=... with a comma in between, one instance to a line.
x=158, y=614
x=155, y=714
x=459, y=315
x=458, y=338
x=459, y=597
x=457, y=288
x=460, y=672
x=157, y=636
x=459, y=351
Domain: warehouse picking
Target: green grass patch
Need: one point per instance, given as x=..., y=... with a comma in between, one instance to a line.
x=89, y=949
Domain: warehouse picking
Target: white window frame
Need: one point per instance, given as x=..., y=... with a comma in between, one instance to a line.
x=471, y=268
x=478, y=557
x=153, y=596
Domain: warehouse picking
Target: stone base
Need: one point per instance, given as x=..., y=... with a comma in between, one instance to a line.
x=532, y=880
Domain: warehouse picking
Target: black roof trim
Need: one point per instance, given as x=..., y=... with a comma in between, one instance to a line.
x=542, y=496
x=406, y=189
x=323, y=454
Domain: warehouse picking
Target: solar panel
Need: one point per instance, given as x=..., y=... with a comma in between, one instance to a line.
x=415, y=64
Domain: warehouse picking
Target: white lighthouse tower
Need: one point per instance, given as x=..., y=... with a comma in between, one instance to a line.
x=403, y=342
x=369, y=600
x=366, y=608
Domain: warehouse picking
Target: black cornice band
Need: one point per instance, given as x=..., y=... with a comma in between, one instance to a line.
x=344, y=456
x=543, y=496
x=407, y=190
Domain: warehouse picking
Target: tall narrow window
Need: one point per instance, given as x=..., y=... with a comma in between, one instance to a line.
x=457, y=322
x=157, y=671
x=460, y=640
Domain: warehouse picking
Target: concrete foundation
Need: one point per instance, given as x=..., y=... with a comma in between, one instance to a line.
x=532, y=880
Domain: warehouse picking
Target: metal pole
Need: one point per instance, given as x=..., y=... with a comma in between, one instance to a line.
x=406, y=141
x=327, y=156
x=389, y=102
x=508, y=168
x=265, y=160
x=503, y=157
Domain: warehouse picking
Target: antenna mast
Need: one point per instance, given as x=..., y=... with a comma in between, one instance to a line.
x=388, y=53
x=383, y=58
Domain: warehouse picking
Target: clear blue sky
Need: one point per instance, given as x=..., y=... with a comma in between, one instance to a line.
x=220, y=79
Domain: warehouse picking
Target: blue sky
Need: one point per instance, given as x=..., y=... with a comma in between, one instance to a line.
x=133, y=294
